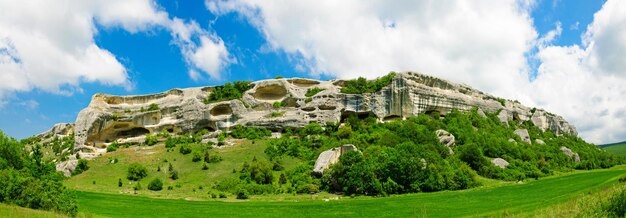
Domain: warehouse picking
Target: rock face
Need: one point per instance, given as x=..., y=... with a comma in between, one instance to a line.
x=59, y=130
x=109, y=118
x=499, y=162
x=330, y=157
x=446, y=139
x=523, y=134
x=570, y=153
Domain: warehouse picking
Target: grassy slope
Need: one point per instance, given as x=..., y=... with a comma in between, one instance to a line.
x=15, y=211
x=617, y=148
x=106, y=174
x=496, y=201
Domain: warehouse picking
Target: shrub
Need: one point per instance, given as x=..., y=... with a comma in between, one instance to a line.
x=616, y=206
x=362, y=85
x=153, y=107
x=119, y=182
x=228, y=91
x=205, y=166
x=307, y=100
x=313, y=91
x=150, y=140
x=113, y=147
x=81, y=167
x=174, y=175
x=185, y=149
x=136, y=172
x=222, y=195
x=137, y=187
x=155, y=185
x=242, y=194
x=197, y=156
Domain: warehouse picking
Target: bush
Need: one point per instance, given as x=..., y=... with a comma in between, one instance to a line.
x=251, y=133
x=137, y=187
x=197, y=156
x=228, y=91
x=174, y=175
x=242, y=194
x=136, y=172
x=150, y=140
x=113, y=147
x=119, y=182
x=153, y=107
x=277, y=104
x=155, y=185
x=307, y=100
x=185, y=149
x=313, y=91
x=616, y=207
x=81, y=167
x=362, y=85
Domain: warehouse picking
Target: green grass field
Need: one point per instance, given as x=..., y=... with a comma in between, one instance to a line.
x=15, y=212
x=617, y=148
x=492, y=201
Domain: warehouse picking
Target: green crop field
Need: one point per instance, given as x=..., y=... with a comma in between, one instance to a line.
x=487, y=201
x=617, y=148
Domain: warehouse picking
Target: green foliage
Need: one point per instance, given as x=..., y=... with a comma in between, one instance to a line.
x=185, y=148
x=275, y=114
x=251, y=133
x=81, y=167
x=259, y=171
x=113, y=147
x=501, y=100
x=151, y=140
x=242, y=194
x=196, y=156
x=616, y=206
x=277, y=104
x=29, y=181
x=279, y=77
x=137, y=187
x=173, y=174
x=313, y=91
x=362, y=85
x=228, y=91
x=307, y=100
x=153, y=107
x=155, y=185
x=119, y=182
x=136, y=172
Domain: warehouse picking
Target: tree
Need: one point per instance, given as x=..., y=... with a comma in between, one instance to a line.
x=282, y=179
x=81, y=167
x=119, y=182
x=155, y=185
x=136, y=172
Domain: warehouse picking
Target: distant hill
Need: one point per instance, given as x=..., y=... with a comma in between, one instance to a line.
x=618, y=148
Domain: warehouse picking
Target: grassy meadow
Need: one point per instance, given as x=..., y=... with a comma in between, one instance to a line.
x=533, y=198
x=617, y=148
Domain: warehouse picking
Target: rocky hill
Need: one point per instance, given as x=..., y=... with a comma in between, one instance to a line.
x=277, y=104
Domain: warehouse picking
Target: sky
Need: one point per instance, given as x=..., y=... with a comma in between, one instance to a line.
x=568, y=57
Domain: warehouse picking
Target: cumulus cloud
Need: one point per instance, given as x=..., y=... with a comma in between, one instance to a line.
x=486, y=44
x=49, y=45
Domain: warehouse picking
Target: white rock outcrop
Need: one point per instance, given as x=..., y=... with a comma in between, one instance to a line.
x=330, y=157
x=523, y=134
x=571, y=154
x=109, y=118
x=499, y=162
x=446, y=139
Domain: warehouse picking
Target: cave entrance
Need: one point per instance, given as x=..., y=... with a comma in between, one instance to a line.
x=134, y=132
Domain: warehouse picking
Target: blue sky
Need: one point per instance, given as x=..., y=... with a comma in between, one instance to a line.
x=263, y=41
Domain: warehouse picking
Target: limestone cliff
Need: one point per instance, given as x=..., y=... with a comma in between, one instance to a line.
x=109, y=118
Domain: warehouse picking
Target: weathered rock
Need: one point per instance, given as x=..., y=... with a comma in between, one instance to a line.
x=499, y=162
x=481, y=113
x=330, y=157
x=59, y=130
x=523, y=134
x=446, y=139
x=68, y=166
x=547, y=121
x=570, y=154
x=109, y=118
x=513, y=141
x=539, y=141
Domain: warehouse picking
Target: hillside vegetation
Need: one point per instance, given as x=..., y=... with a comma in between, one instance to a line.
x=616, y=148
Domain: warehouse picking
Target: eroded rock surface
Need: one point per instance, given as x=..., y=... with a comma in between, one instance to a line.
x=523, y=134
x=109, y=118
x=330, y=157
x=446, y=139
x=499, y=162
x=570, y=153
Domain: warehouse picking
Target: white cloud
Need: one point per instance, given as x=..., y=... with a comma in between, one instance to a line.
x=49, y=45
x=485, y=44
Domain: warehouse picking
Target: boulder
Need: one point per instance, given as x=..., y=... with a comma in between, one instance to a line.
x=330, y=157
x=68, y=166
x=512, y=141
x=499, y=162
x=570, y=154
x=523, y=134
x=539, y=141
x=446, y=139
